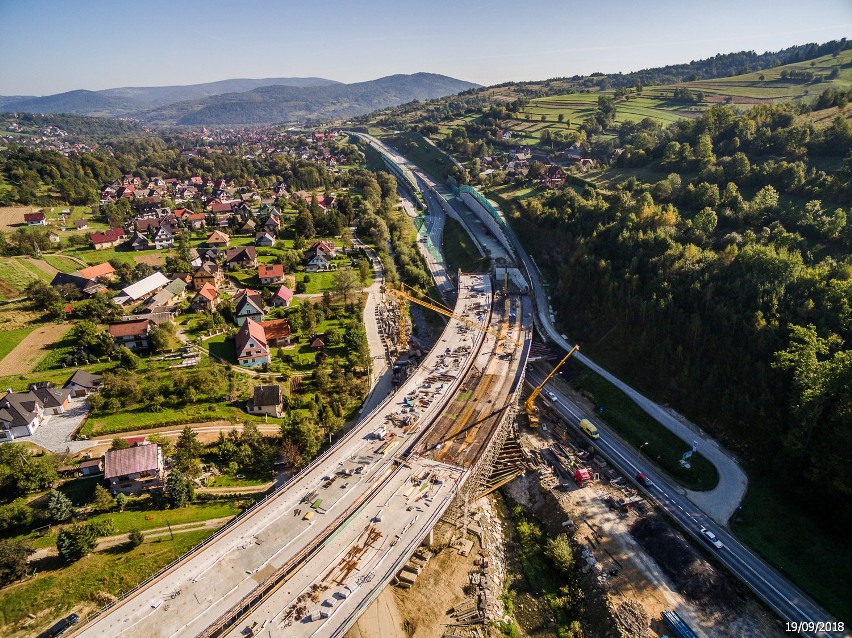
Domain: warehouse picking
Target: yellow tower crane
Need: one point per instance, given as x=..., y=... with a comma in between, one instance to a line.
x=402, y=293
x=530, y=406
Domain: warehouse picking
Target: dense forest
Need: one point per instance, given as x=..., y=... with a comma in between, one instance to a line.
x=730, y=278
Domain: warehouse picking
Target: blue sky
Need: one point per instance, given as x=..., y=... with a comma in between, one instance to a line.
x=49, y=46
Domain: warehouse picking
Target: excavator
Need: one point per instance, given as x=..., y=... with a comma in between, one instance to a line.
x=530, y=406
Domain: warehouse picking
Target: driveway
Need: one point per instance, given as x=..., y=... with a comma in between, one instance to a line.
x=55, y=433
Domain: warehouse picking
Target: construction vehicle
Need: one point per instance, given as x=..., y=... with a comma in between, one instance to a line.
x=530, y=406
x=438, y=307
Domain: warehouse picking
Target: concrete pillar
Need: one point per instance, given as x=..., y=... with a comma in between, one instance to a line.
x=430, y=538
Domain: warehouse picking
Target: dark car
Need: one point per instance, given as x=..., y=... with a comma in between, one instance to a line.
x=61, y=626
x=644, y=480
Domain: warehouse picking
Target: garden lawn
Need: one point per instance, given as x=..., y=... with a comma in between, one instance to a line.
x=142, y=418
x=317, y=282
x=60, y=588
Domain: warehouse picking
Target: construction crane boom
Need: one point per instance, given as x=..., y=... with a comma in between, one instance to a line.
x=404, y=294
x=529, y=406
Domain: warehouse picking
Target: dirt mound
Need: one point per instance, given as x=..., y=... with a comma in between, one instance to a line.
x=632, y=620
x=691, y=575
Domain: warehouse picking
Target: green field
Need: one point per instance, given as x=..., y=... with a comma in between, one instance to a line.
x=460, y=251
x=420, y=152
x=60, y=588
x=142, y=418
x=16, y=274
x=61, y=263
x=11, y=338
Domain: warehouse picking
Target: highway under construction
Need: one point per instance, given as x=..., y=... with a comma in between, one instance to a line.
x=309, y=558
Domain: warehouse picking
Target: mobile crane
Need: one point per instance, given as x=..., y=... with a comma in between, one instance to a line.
x=530, y=406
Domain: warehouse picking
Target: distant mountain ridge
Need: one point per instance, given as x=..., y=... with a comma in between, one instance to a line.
x=155, y=96
x=243, y=101
x=297, y=104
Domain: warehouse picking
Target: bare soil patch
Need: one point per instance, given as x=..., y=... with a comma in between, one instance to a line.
x=13, y=216
x=152, y=259
x=27, y=354
x=425, y=606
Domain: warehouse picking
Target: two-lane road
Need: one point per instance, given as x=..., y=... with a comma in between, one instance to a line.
x=787, y=601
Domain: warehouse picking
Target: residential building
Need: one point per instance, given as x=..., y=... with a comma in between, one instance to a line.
x=249, y=228
x=35, y=219
x=248, y=306
x=133, y=334
x=277, y=332
x=101, y=272
x=267, y=400
x=163, y=238
x=271, y=273
x=205, y=299
x=218, y=239
x=82, y=383
x=241, y=257
x=251, y=346
x=22, y=413
x=109, y=238
x=264, y=238
x=318, y=263
x=134, y=469
x=138, y=241
x=282, y=297
x=207, y=273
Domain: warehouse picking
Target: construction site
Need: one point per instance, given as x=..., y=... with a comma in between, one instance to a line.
x=639, y=575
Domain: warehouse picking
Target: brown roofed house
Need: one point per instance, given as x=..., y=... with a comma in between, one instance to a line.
x=218, y=238
x=134, y=469
x=266, y=400
x=277, y=332
x=133, y=334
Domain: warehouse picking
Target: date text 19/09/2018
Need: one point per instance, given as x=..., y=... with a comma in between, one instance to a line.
x=811, y=626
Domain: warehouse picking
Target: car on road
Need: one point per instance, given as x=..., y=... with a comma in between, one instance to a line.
x=644, y=480
x=61, y=626
x=711, y=538
x=552, y=396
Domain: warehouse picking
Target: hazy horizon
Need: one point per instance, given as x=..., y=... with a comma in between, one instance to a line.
x=50, y=48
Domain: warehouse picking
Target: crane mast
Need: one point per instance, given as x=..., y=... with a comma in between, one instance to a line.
x=530, y=406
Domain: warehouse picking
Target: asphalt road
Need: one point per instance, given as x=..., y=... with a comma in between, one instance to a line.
x=786, y=600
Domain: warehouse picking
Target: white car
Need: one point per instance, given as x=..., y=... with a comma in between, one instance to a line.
x=711, y=538
x=552, y=396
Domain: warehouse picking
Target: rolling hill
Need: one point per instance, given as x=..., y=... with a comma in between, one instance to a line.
x=243, y=101
x=272, y=104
